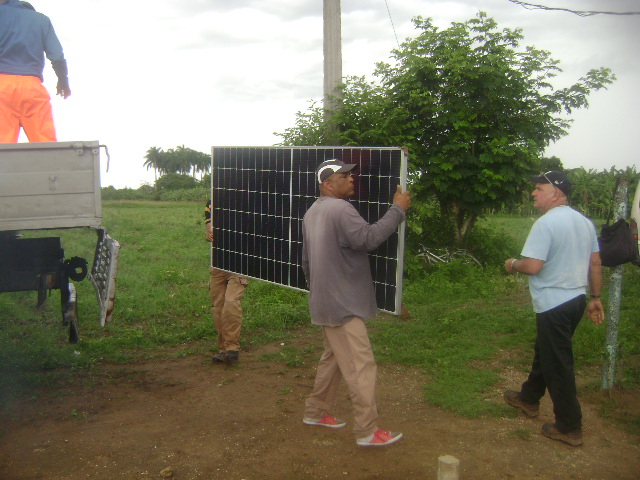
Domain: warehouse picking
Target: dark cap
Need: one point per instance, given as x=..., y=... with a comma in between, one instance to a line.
x=557, y=179
x=329, y=167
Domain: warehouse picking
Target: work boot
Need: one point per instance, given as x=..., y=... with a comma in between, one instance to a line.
x=513, y=398
x=232, y=357
x=572, y=438
x=220, y=357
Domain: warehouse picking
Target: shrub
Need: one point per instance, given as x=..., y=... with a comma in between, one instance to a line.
x=175, y=181
x=144, y=192
x=205, y=181
x=492, y=246
x=197, y=194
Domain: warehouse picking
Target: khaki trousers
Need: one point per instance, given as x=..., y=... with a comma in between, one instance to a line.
x=227, y=290
x=347, y=354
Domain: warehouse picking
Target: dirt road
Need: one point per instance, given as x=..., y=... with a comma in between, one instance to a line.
x=186, y=419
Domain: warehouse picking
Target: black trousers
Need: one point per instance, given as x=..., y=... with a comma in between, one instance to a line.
x=552, y=367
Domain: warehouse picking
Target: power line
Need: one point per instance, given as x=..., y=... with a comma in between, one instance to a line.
x=392, y=25
x=580, y=13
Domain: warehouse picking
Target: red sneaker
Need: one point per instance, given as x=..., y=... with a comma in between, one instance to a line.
x=379, y=438
x=327, y=421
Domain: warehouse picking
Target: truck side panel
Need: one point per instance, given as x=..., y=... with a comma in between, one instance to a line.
x=49, y=185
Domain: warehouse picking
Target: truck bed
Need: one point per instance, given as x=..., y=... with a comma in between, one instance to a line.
x=49, y=185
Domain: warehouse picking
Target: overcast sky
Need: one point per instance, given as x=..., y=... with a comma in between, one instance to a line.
x=200, y=73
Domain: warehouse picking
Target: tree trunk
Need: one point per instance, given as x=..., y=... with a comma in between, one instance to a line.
x=464, y=222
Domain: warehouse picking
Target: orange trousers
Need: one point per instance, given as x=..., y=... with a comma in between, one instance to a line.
x=24, y=102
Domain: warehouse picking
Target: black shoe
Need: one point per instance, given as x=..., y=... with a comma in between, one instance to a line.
x=220, y=357
x=232, y=357
x=513, y=398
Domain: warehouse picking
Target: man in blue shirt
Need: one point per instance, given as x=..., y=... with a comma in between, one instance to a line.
x=561, y=257
x=26, y=36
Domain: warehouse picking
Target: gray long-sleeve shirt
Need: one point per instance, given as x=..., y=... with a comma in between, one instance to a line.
x=335, y=241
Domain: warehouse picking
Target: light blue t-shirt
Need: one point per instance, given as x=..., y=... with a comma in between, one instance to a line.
x=564, y=239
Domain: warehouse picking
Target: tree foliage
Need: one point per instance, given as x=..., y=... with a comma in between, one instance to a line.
x=175, y=181
x=474, y=108
x=184, y=161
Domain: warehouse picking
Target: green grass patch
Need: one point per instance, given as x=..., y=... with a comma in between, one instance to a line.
x=467, y=323
x=162, y=300
x=464, y=318
x=459, y=323
x=521, y=434
x=292, y=356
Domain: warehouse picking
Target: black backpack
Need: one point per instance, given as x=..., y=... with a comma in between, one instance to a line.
x=618, y=245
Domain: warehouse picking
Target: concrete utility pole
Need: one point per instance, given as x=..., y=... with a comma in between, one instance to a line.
x=615, y=296
x=332, y=47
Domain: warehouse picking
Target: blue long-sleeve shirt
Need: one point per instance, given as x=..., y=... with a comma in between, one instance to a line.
x=25, y=38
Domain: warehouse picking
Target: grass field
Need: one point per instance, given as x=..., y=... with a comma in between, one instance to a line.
x=466, y=323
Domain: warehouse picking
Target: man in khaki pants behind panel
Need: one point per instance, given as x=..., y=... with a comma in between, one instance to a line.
x=227, y=290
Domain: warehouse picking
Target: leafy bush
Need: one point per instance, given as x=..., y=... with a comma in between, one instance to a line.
x=205, y=181
x=492, y=246
x=144, y=192
x=428, y=229
x=175, y=181
x=147, y=190
x=197, y=194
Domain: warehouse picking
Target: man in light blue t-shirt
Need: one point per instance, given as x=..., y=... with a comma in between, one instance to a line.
x=561, y=257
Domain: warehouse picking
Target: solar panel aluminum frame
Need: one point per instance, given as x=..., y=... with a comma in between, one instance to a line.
x=288, y=173
x=104, y=272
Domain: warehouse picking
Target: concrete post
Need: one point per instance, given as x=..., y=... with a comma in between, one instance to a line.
x=448, y=468
x=615, y=295
x=332, y=47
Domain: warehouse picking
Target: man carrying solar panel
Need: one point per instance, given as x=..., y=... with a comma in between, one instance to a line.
x=336, y=240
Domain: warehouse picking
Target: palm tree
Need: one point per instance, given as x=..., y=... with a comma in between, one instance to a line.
x=182, y=160
x=153, y=159
x=201, y=163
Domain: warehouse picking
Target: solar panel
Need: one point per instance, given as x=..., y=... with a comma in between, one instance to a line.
x=262, y=193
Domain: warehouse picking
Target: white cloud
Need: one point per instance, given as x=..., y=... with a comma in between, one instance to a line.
x=221, y=72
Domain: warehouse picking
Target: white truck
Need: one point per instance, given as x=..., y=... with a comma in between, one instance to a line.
x=54, y=185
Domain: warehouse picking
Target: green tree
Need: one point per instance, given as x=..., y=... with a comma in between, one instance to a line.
x=200, y=163
x=546, y=164
x=475, y=110
x=181, y=160
x=366, y=117
x=175, y=181
x=479, y=112
x=594, y=192
x=152, y=160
